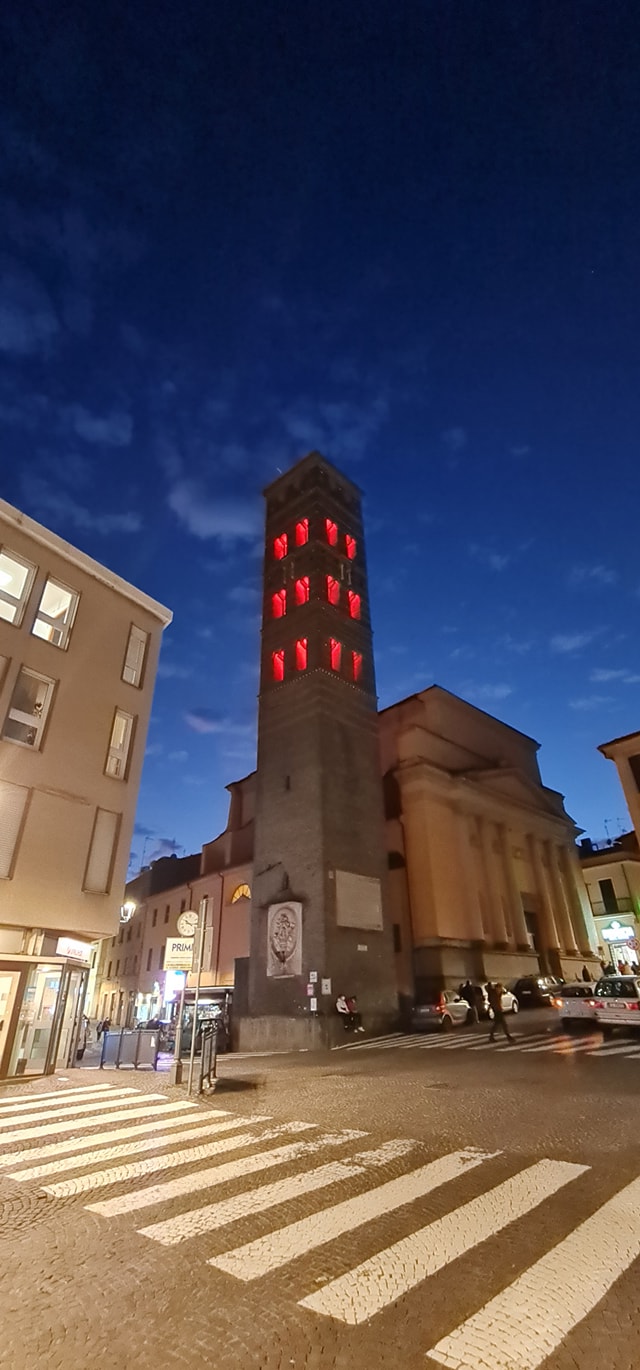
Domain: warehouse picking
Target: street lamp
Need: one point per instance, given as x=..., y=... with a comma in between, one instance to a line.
x=127, y=910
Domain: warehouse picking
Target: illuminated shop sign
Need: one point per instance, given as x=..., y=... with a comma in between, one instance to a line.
x=618, y=932
x=78, y=951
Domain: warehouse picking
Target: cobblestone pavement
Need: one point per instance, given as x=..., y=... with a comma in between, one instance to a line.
x=354, y=1210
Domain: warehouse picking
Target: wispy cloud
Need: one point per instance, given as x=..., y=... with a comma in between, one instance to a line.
x=488, y=692
x=588, y=702
x=496, y=561
x=57, y=505
x=28, y=321
x=173, y=670
x=571, y=642
x=592, y=576
x=455, y=439
x=213, y=516
x=110, y=430
x=518, y=645
x=341, y=429
x=603, y=676
x=244, y=594
x=207, y=721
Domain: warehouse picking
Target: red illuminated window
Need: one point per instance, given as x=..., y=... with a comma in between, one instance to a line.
x=302, y=590
x=356, y=665
x=350, y=544
x=302, y=532
x=277, y=665
x=333, y=590
x=280, y=547
x=301, y=654
x=354, y=604
x=332, y=532
x=335, y=654
x=279, y=604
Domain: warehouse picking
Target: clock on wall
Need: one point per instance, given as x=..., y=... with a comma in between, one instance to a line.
x=187, y=923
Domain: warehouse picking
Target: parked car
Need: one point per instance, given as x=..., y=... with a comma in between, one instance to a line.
x=617, y=1001
x=509, y=1003
x=536, y=991
x=440, y=1012
x=575, y=1003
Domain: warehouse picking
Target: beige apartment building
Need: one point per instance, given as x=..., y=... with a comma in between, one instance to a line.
x=625, y=754
x=78, y=656
x=611, y=872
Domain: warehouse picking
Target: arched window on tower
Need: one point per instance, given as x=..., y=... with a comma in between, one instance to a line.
x=302, y=590
x=356, y=665
x=335, y=654
x=240, y=892
x=277, y=664
x=280, y=546
x=302, y=532
x=333, y=590
x=354, y=604
x=279, y=604
x=350, y=547
x=301, y=654
x=332, y=532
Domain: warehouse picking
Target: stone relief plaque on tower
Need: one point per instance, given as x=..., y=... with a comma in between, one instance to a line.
x=358, y=901
x=284, y=940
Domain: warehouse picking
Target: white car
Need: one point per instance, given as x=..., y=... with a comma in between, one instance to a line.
x=575, y=1003
x=509, y=1003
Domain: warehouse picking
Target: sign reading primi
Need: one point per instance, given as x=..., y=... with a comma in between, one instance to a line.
x=178, y=953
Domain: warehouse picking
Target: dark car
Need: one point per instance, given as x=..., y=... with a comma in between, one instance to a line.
x=536, y=991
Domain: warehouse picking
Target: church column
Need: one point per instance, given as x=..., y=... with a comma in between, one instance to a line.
x=580, y=908
x=472, y=898
x=519, y=922
x=561, y=907
x=496, y=912
x=548, y=928
x=424, y=913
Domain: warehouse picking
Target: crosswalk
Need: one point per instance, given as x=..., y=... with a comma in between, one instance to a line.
x=182, y=1174
x=545, y=1042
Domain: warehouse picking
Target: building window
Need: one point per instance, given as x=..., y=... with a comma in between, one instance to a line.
x=109, y=970
x=56, y=612
x=240, y=892
x=279, y=604
x=397, y=937
x=16, y=579
x=280, y=546
x=302, y=590
x=183, y=905
x=13, y=804
x=154, y=918
x=135, y=965
x=301, y=654
x=161, y=958
x=356, y=665
x=331, y=530
x=335, y=654
x=166, y=913
x=354, y=604
x=126, y=966
x=333, y=590
x=302, y=532
x=117, y=969
x=128, y=934
x=149, y=957
x=30, y=704
x=119, y=745
x=4, y=662
x=277, y=665
x=133, y=669
x=101, y=852
x=350, y=547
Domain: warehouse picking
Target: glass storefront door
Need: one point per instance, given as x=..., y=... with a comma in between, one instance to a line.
x=68, y=1029
x=9, y=981
x=36, y=1021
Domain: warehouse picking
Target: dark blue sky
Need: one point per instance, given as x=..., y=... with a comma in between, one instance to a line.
x=405, y=233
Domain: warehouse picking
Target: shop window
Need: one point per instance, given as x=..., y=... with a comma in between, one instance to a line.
x=280, y=546
x=240, y=892
x=356, y=665
x=301, y=654
x=102, y=852
x=333, y=590
x=335, y=654
x=13, y=804
x=354, y=604
x=28, y=710
x=279, y=604
x=331, y=529
x=56, y=612
x=133, y=669
x=277, y=665
x=350, y=547
x=302, y=532
x=16, y=579
x=302, y=590
x=119, y=745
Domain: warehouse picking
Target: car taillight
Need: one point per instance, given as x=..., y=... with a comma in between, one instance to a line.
x=635, y=1004
x=557, y=1003
x=440, y=1006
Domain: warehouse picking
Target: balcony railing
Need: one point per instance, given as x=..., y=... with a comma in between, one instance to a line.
x=612, y=907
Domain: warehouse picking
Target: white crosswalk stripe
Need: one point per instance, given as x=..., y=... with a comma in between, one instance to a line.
x=179, y=1117
x=13, y=1104
x=57, y=1129
x=117, y=1098
x=546, y=1042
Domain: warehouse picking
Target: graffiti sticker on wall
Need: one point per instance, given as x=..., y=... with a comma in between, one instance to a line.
x=284, y=939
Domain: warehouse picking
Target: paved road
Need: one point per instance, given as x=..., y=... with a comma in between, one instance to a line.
x=478, y=1211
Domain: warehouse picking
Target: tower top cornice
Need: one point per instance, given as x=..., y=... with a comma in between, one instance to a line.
x=294, y=478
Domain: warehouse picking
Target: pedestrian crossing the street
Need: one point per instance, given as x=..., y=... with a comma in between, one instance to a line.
x=545, y=1042
x=182, y=1174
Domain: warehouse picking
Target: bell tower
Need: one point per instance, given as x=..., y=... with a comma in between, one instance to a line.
x=320, y=859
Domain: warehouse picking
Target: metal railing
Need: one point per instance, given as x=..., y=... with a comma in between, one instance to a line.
x=208, y=1058
x=130, y=1047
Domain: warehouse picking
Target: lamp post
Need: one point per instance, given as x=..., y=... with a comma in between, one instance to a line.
x=202, y=922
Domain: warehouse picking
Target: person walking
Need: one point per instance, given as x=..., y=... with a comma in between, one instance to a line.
x=467, y=992
x=495, y=992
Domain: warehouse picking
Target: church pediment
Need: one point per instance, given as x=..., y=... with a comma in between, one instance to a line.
x=512, y=784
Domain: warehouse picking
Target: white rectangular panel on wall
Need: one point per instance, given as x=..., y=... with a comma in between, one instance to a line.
x=358, y=901
x=13, y=803
x=101, y=853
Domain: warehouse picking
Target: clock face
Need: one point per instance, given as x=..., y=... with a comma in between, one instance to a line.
x=187, y=923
